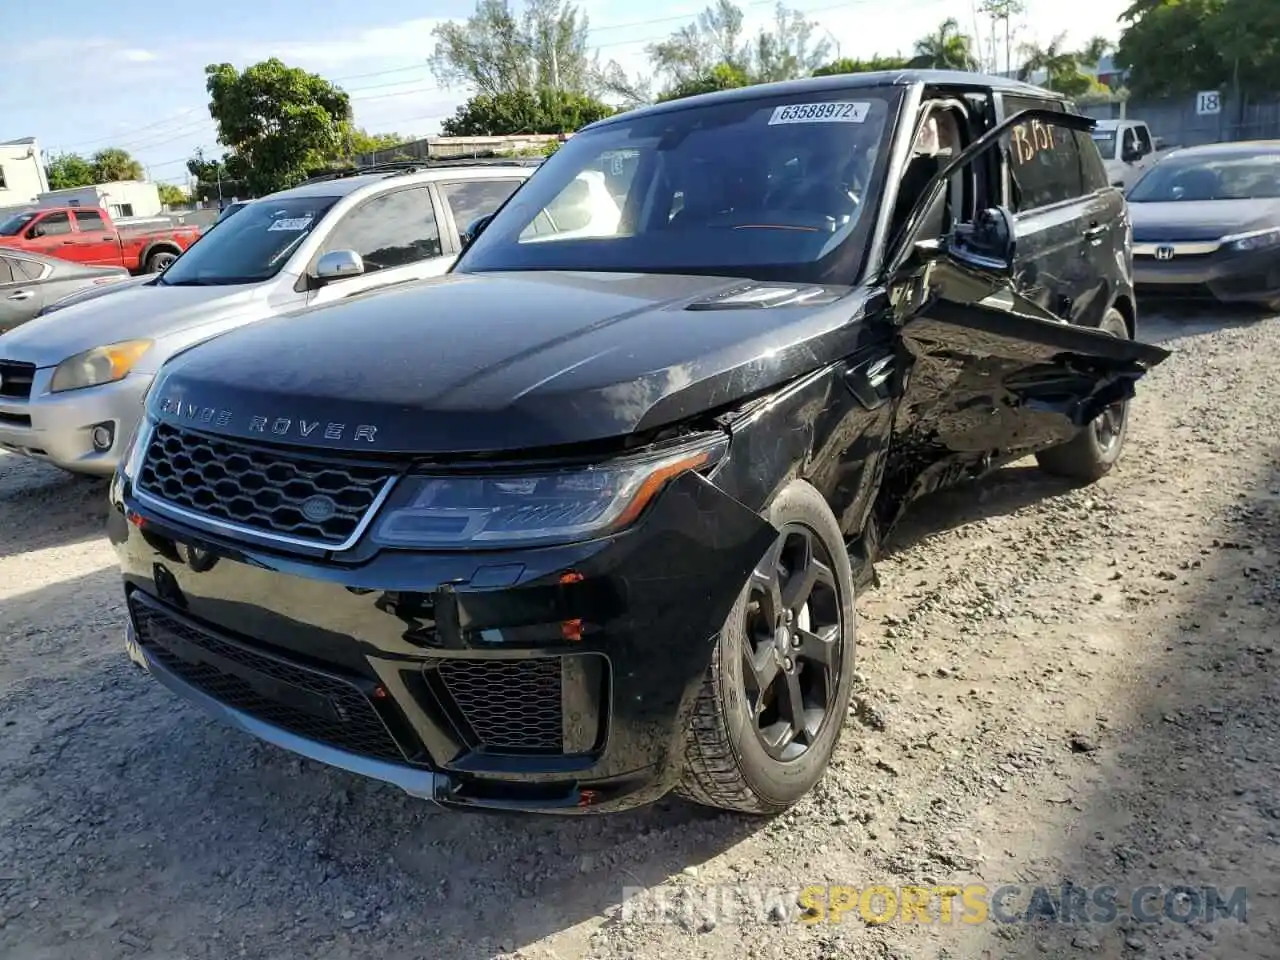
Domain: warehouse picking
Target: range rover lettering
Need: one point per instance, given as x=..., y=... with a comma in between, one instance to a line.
x=583, y=522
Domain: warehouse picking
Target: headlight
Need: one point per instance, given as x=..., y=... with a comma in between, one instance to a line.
x=99, y=365
x=1254, y=240
x=528, y=507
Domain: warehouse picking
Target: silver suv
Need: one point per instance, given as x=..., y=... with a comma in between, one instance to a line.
x=72, y=380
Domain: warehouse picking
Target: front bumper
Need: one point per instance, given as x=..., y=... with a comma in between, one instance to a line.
x=1218, y=274
x=58, y=427
x=454, y=676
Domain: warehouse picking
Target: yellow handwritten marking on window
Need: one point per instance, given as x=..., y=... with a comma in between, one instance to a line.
x=1031, y=139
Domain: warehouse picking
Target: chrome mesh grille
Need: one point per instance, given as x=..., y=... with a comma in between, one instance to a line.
x=258, y=488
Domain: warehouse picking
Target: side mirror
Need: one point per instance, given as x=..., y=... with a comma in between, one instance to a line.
x=474, y=229
x=987, y=244
x=35, y=232
x=338, y=265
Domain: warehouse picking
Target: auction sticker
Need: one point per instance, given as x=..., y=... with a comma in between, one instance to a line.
x=291, y=223
x=830, y=112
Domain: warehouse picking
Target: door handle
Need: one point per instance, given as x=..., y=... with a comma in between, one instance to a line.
x=1095, y=231
x=21, y=295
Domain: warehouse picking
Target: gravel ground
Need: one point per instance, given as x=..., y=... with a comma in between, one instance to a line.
x=1057, y=684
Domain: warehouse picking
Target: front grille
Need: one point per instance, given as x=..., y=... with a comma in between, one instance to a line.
x=509, y=704
x=258, y=488
x=314, y=705
x=16, y=379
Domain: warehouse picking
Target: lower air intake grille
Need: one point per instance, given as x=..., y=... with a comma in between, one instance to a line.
x=321, y=502
x=318, y=706
x=509, y=704
x=16, y=379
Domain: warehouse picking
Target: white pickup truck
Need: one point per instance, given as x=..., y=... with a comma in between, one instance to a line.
x=1127, y=149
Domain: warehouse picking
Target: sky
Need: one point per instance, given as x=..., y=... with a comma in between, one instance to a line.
x=80, y=75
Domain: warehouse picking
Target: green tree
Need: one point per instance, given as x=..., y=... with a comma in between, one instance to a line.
x=546, y=111
x=172, y=195
x=1062, y=66
x=213, y=178
x=496, y=51
x=947, y=48
x=279, y=122
x=723, y=76
x=846, y=65
x=1175, y=47
x=112, y=164
x=69, y=170
x=712, y=52
x=359, y=140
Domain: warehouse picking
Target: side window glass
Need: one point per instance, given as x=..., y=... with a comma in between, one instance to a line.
x=89, y=221
x=394, y=230
x=1144, y=139
x=1044, y=161
x=1092, y=171
x=7, y=272
x=469, y=200
x=25, y=269
x=55, y=225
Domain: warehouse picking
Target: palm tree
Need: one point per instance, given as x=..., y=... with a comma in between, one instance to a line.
x=1061, y=67
x=947, y=48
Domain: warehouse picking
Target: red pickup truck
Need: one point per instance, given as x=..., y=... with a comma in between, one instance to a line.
x=87, y=235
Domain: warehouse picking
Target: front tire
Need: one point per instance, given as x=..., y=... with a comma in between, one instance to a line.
x=774, y=698
x=1095, y=449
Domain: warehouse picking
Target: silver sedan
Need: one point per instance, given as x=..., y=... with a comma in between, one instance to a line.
x=29, y=282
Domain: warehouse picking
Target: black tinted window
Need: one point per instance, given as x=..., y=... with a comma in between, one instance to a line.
x=1044, y=160
x=472, y=199
x=393, y=230
x=90, y=220
x=55, y=224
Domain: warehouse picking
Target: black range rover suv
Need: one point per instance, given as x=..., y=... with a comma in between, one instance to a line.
x=582, y=522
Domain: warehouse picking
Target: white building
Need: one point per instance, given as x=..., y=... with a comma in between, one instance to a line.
x=22, y=177
x=122, y=199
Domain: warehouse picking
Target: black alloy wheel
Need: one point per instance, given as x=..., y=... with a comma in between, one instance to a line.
x=792, y=652
x=775, y=695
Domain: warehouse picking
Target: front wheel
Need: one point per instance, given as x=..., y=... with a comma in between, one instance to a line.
x=774, y=698
x=1096, y=448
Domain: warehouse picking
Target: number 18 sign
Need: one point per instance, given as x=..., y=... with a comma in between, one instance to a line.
x=1208, y=102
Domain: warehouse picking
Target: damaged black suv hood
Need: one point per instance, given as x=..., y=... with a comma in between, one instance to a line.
x=503, y=362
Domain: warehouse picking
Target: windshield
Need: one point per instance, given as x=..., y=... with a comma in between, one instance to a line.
x=253, y=245
x=15, y=224
x=1106, y=141
x=764, y=188
x=1230, y=177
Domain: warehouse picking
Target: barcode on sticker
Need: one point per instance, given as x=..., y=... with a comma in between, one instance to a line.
x=830, y=112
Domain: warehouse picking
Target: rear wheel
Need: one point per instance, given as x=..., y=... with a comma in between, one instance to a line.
x=1096, y=448
x=775, y=695
x=160, y=260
